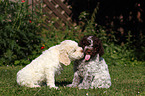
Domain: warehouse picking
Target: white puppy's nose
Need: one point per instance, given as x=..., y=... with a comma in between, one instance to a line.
x=81, y=50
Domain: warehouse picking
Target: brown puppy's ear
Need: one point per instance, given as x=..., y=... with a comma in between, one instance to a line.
x=101, y=49
x=63, y=58
x=98, y=46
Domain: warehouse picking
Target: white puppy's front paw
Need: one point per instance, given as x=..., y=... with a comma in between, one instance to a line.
x=55, y=87
x=36, y=86
x=52, y=86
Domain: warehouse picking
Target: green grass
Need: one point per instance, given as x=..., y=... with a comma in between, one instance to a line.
x=126, y=81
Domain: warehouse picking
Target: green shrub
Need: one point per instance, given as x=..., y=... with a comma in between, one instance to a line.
x=19, y=31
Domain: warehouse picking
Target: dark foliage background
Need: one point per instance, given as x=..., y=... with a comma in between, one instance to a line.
x=122, y=18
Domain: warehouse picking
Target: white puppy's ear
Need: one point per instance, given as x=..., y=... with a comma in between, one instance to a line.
x=63, y=58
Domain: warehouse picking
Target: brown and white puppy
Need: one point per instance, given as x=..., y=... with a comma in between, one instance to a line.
x=91, y=71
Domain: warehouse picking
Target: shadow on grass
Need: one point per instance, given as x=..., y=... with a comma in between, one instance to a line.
x=63, y=83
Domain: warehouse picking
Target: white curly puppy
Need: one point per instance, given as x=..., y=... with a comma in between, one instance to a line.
x=44, y=67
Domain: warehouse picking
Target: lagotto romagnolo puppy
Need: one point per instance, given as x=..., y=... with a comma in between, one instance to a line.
x=92, y=70
x=44, y=67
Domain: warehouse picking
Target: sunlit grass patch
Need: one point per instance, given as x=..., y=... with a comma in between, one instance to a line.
x=126, y=81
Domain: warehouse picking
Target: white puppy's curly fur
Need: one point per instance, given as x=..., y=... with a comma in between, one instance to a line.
x=44, y=67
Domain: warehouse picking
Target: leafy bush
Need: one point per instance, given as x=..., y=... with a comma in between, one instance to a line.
x=120, y=55
x=19, y=31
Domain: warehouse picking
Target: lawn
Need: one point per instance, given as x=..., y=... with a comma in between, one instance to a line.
x=126, y=81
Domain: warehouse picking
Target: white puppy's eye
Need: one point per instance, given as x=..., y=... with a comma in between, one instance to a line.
x=74, y=50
